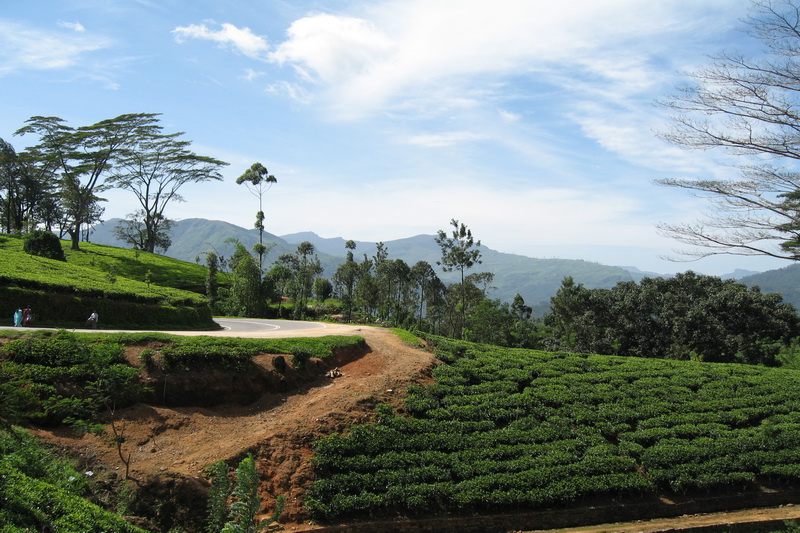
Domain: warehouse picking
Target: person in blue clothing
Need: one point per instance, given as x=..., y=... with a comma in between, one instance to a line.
x=18, y=318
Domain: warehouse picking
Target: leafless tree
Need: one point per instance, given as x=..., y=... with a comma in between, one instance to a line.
x=748, y=107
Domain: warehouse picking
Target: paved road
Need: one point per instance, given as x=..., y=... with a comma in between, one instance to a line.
x=257, y=325
x=251, y=327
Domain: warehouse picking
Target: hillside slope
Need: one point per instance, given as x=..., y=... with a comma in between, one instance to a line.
x=785, y=281
x=127, y=287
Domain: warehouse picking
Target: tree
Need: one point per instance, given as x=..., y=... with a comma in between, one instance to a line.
x=685, y=317
x=258, y=180
x=425, y=278
x=212, y=285
x=746, y=107
x=81, y=157
x=279, y=277
x=345, y=279
x=458, y=254
x=154, y=167
x=134, y=231
x=305, y=267
x=27, y=187
x=247, y=295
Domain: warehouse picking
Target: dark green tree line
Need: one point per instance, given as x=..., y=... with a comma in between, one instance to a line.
x=689, y=316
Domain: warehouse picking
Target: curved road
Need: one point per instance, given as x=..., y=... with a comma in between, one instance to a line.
x=249, y=327
x=259, y=327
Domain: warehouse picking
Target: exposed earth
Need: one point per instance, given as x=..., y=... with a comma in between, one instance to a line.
x=170, y=447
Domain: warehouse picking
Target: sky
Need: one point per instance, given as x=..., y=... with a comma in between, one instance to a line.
x=533, y=122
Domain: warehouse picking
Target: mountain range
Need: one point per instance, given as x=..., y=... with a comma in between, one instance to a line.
x=536, y=280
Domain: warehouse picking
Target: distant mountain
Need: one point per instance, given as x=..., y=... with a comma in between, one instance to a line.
x=536, y=280
x=785, y=281
x=739, y=274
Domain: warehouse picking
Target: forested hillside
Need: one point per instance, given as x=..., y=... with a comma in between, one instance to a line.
x=536, y=280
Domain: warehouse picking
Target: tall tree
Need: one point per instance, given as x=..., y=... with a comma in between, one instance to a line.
x=425, y=278
x=345, y=279
x=154, y=167
x=82, y=157
x=258, y=180
x=247, y=295
x=460, y=252
x=25, y=189
x=747, y=107
x=305, y=267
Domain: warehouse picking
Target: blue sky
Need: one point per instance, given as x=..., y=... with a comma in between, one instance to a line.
x=530, y=121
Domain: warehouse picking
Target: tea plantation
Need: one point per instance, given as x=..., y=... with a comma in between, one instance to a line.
x=128, y=288
x=505, y=430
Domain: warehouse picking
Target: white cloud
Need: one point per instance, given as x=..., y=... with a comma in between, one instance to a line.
x=293, y=90
x=250, y=74
x=329, y=48
x=22, y=47
x=438, y=140
x=242, y=40
x=508, y=116
x=74, y=26
x=396, y=52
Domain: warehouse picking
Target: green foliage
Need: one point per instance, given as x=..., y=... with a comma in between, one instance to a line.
x=406, y=336
x=43, y=244
x=507, y=429
x=677, y=318
x=60, y=378
x=42, y=491
x=230, y=352
x=245, y=500
x=218, y=497
x=31, y=504
x=300, y=357
x=21, y=451
x=246, y=503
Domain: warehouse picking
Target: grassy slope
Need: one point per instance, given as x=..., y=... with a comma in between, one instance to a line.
x=104, y=268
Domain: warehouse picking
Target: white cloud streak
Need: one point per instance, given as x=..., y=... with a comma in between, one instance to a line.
x=35, y=49
x=243, y=40
x=74, y=26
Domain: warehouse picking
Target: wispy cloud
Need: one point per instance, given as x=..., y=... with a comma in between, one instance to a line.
x=74, y=26
x=437, y=140
x=23, y=47
x=243, y=40
x=251, y=75
x=397, y=51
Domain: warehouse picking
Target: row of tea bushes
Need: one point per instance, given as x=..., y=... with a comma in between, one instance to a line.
x=504, y=429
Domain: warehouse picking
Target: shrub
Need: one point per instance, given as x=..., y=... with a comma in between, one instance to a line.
x=44, y=244
x=300, y=357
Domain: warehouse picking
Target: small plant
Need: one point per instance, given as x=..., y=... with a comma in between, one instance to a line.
x=300, y=357
x=218, y=497
x=146, y=358
x=246, y=502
